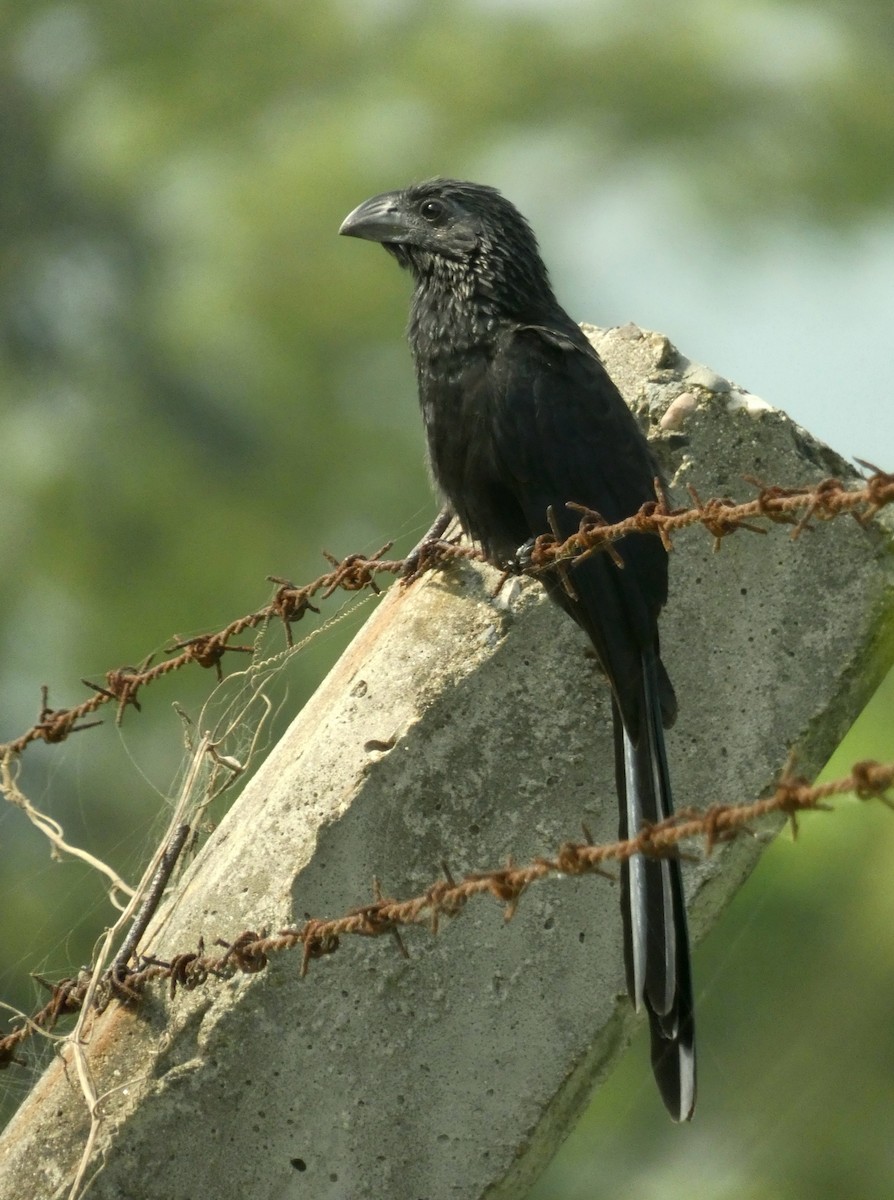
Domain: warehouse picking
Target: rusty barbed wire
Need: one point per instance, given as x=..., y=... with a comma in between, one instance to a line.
x=721, y=516
x=251, y=950
x=290, y=603
x=121, y=686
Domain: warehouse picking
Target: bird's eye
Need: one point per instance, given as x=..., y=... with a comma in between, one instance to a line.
x=433, y=211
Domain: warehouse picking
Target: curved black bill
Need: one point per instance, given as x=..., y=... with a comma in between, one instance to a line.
x=380, y=219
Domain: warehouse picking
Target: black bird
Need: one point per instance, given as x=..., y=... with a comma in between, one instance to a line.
x=522, y=418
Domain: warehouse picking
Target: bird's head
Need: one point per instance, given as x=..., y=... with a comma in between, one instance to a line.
x=457, y=232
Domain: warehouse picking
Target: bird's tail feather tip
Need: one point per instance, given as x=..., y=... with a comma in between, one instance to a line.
x=673, y=1065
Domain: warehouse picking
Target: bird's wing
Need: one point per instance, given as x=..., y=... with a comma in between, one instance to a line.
x=565, y=434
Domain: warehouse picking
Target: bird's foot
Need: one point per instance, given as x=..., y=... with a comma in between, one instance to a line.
x=429, y=551
x=519, y=564
x=428, y=554
x=523, y=559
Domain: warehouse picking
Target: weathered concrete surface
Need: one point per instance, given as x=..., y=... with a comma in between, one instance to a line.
x=460, y=1070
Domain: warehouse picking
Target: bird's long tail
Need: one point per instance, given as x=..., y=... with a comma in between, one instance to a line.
x=656, y=942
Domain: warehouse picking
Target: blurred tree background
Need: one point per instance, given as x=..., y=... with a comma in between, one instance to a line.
x=200, y=385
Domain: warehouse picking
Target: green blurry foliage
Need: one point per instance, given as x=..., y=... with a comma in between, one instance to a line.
x=200, y=385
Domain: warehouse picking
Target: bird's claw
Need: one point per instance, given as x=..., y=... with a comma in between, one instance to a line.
x=523, y=559
x=429, y=551
x=421, y=557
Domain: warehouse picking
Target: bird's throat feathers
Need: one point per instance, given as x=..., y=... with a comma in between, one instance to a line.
x=465, y=302
x=451, y=311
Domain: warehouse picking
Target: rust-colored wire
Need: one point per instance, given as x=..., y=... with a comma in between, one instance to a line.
x=721, y=517
x=250, y=951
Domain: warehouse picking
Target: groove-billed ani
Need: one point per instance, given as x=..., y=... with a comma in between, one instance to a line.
x=521, y=419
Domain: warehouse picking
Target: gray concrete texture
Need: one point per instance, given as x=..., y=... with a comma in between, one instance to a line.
x=460, y=1069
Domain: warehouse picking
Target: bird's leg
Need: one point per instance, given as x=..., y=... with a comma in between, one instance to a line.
x=525, y=559
x=422, y=554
